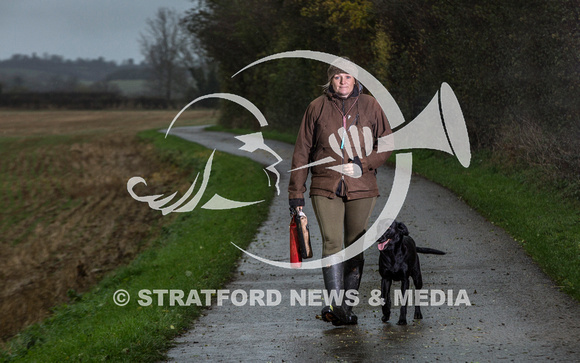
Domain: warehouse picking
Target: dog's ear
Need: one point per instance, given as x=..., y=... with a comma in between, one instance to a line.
x=392, y=230
x=403, y=229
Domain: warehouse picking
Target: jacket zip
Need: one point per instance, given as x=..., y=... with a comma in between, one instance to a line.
x=344, y=135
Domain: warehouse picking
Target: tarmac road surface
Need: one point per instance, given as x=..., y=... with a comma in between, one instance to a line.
x=516, y=313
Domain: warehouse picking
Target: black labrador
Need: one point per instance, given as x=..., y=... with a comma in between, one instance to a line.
x=397, y=262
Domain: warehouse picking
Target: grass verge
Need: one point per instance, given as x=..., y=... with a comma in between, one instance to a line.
x=537, y=216
x=268, y=134
x=193, y=252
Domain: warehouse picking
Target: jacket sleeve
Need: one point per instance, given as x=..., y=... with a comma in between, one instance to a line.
x=301, y=157
x=381, y=129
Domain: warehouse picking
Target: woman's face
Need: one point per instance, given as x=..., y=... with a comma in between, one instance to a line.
x=343, y=84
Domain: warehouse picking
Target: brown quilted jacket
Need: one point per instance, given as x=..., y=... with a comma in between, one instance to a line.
x=323, y=118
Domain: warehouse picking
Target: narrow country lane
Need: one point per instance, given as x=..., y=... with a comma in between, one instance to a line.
x=516, y=312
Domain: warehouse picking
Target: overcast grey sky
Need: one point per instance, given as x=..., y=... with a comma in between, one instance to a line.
x=78, y=28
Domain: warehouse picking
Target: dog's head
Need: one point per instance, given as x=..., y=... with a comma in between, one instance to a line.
x=393, y=234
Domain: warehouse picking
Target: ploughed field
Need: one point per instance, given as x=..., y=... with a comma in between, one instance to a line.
x=66, y=218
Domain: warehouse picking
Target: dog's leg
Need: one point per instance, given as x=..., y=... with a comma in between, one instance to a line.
x=386, y=295
x=403, y=314
x=418, y=282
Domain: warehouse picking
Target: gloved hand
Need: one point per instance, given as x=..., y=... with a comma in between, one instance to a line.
x=353, y=168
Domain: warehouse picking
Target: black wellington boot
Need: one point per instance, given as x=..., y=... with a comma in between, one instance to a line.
x=352, y=275
x=334, y=281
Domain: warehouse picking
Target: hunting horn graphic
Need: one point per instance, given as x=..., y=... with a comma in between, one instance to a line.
x=440, y=126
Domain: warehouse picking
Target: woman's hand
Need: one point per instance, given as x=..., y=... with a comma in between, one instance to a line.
x=351, y=170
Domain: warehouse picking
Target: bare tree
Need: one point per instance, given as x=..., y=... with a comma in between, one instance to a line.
x=166, y=46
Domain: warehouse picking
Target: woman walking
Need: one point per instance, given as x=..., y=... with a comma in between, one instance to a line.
x=340, y=130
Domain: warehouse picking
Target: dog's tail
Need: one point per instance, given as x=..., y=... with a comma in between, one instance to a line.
x=430, y=251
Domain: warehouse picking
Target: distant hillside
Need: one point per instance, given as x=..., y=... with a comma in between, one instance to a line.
x=54, y=73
